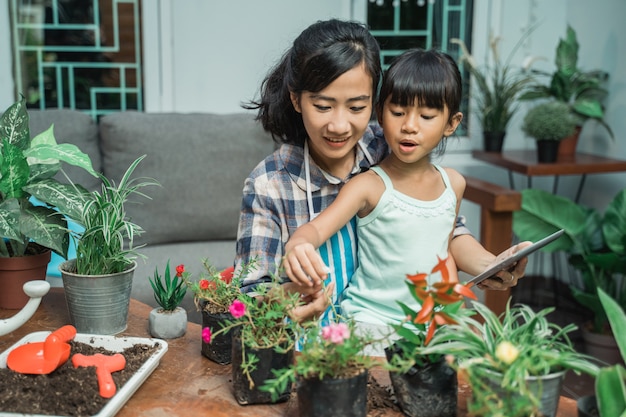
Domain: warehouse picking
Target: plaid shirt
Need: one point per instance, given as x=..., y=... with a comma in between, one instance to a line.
x=275, y=204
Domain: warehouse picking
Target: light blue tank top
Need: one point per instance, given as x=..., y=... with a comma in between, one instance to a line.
x=401, y=236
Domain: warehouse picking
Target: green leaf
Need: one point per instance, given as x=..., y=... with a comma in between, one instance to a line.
x=14, y=125
x=614, y=223
x=610, y=391
x=14, y=171
x=69, y=199
x=46, y=227
x=10, y=220
x=617, y=318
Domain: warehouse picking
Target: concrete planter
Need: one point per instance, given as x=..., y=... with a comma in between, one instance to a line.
x=167, y=324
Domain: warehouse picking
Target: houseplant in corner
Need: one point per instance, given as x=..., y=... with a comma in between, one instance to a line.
x=98, y=281
x=496, y=91
x=331, y=371
x=514, y=363
x=214, y=293
x=582, y=91
x=168, y=321
x=29, y=231
x=548, y=123
x=596, y=244
x=424, y=384
x=263, y=340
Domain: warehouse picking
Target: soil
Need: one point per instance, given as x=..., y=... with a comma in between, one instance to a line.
x=67, y=391
x=380, y=399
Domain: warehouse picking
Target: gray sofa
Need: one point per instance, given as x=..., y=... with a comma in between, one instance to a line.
x=200, y=160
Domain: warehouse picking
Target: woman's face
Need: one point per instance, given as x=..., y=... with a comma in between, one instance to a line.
x=336, y=118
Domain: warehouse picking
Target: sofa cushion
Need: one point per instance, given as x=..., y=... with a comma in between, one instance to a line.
x=78, y=128
x=201, y=162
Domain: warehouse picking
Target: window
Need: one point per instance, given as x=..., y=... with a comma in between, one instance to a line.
x=78, y=54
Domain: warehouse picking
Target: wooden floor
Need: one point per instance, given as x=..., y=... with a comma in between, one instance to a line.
x=538, y=292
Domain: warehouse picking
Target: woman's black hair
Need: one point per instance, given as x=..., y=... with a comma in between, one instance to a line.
x=319, y=55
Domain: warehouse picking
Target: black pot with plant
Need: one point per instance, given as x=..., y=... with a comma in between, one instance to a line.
x=548, y=123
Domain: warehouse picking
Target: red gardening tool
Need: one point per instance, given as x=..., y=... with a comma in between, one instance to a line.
x=105, y=365
x=42, y=357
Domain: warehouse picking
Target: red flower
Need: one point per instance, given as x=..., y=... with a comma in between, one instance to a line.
x=227, y=274
x=179, y=270
x=204, y=284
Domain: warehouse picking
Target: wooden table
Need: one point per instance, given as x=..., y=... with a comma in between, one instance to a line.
x=185, y=383
x=525, y=162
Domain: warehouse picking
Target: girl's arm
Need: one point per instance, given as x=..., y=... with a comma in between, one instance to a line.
x=302, y=263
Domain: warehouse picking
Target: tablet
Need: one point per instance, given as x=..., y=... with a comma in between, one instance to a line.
x=511, y=260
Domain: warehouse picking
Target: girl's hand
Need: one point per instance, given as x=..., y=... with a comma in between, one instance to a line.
x=304, y=266
x=506, y=279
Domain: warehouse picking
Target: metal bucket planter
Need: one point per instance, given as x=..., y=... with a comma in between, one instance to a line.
x=333, y=396
x=97, y=304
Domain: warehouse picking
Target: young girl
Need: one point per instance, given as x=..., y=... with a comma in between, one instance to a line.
x=406, y=206
x=317, y=103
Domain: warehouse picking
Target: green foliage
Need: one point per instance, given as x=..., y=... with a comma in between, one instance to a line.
x=611, y=380
x=321, y=356
x=218, y=288
x=168, y=291
x=106, y=244
x=551, y=120
x=595, y=243
x=26, y=170
x=515, y=345
x=582, y=91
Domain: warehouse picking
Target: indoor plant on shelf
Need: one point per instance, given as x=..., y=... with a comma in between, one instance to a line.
x=514, y=363
x=424, y=384
x=263, y=340
x=595, y=242
x=496, y=91
x=582, y=91
x=98, y=281
x=168, y=321
x=29, y=230
x=214, y=293
x=548, y=123
x=331, y=370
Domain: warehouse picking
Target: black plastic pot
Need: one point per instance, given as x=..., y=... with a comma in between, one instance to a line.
x=221, y=346
x=345, y=397
x=547, y=151
x=493, y=141
x=427, y=391
x=587, y=406
x=268, y=360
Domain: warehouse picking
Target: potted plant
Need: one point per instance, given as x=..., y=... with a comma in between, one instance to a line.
x=594, y=241
x=30, y=229
x=98, y=281
x=214, y=293
x=496, y=91
x=582, y=91
x=168, y=321
x=515, y=363
x=263, y=341
x=424, y=384
x=548, y=123
x=331, y=370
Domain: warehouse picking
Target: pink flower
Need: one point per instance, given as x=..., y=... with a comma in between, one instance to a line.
x=336, y=332
x=206, y=335
x=237, y=309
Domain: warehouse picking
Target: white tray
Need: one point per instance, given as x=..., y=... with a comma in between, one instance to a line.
x=114, y=344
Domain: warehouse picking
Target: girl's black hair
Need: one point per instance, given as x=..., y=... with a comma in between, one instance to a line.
x=429, y=76
x=323, y=52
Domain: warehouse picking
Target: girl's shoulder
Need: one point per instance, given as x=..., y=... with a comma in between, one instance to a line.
x=457, y=181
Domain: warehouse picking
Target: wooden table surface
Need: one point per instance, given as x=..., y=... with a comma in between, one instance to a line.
x=186, y=383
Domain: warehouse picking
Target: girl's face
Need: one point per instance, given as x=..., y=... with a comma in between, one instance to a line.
x=413, y=132
x=336, y=118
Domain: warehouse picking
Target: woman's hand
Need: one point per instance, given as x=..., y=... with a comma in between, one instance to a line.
x=316, y=300
x=506, y=279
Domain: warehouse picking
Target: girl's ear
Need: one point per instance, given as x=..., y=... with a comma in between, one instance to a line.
x=453, y=124
x=295, y=100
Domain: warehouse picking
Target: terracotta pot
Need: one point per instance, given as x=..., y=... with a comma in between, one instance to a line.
x=268, y=360
x=333, y=396
x=567, y=146
x=15, y=272
x=221, y=346
x=493, y=141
